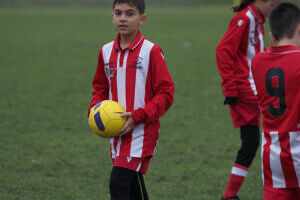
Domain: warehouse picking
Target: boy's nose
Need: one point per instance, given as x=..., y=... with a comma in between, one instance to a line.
x=123, y=17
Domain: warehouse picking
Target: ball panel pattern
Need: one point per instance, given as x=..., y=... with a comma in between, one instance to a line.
x=99, y=122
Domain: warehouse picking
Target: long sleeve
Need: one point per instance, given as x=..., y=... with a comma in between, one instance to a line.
x=100, y=83
x=162, y=87
x=226, y=53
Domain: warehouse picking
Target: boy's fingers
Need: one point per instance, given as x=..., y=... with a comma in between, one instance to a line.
x=123, y=132
x=126, y=129
x=127, y=114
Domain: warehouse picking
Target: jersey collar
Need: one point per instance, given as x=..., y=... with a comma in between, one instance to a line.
x=283, y=49
x=133, y=44
x=256, y=13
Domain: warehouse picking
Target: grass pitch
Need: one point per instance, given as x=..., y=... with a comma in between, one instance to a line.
x=47, y=62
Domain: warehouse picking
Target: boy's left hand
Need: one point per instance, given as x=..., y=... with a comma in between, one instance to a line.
x=129, y=125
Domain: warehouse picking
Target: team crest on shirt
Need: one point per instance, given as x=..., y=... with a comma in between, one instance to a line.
x=109, y=71
x=137, y=63
x=240, y=22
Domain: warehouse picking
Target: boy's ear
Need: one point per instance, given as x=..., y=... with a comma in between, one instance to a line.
x=143, y=19
x=298, y=29
x=273, y=38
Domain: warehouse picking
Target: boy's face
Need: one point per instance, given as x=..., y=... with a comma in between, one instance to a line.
x=127, y=19
x=267, y=5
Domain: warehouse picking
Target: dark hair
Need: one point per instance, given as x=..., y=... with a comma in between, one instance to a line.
x=243, y=4
x=139, y=4
x=284, y=19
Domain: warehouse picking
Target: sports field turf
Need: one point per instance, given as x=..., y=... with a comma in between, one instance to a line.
x=47, y=62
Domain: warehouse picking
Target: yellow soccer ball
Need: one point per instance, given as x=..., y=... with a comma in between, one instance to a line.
x=105, y=118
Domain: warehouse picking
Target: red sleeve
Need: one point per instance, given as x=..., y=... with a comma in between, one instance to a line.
x=163, y=90
x=100, y=83
x=226, y=53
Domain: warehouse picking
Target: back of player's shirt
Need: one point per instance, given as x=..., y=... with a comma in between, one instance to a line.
x=277, y=78
x=276, y=74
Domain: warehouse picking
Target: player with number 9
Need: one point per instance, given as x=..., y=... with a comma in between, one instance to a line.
x=277, y=77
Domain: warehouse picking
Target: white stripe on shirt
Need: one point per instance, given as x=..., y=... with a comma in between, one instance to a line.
x=295, y=151
x=106, y=52
x=121, y=80
x=251, y=49
x=262, y=153
x=139, y=97
x=275, y=162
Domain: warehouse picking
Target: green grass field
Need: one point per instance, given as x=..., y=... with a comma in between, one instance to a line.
x=47, y=62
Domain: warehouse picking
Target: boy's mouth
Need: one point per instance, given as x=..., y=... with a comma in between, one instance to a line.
x=123, y=26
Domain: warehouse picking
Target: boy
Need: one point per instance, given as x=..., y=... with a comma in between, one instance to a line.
x=277, y=77
x=132, y=71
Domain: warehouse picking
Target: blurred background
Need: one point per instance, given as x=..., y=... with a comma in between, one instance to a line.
x=104, y=3
x=48, y=58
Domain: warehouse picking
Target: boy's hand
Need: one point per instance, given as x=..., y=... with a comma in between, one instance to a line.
x=129, y=125
x=230, y=100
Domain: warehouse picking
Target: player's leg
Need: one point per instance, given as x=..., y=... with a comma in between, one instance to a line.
x=120, y=183
x=249, y=145
x=138, y=188
x=246, y=115
x=127, y=181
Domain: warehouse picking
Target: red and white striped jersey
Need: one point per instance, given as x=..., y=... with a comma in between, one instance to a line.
x=138, y=78
x=242, y=41
x=276, y=74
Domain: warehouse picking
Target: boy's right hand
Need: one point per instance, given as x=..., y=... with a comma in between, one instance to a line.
x=230, y=101
x=129, y=125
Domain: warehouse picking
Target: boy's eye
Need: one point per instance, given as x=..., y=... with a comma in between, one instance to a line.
x=117, y=13
x=130, y=14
